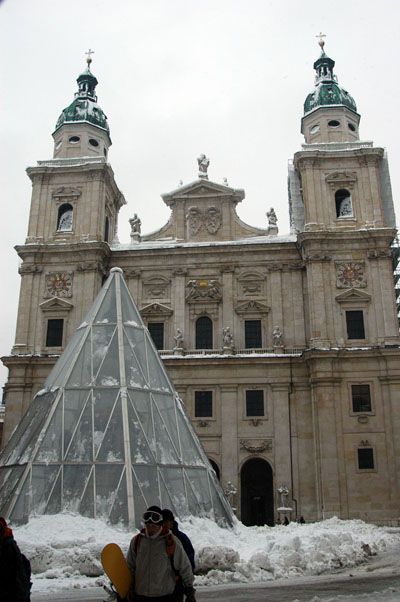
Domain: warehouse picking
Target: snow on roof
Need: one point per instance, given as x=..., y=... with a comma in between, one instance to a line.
x=173, y=243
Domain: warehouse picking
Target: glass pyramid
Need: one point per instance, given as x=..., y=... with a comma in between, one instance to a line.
x=107, y=436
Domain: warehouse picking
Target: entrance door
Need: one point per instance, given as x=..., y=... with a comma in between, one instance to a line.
x=257, y=493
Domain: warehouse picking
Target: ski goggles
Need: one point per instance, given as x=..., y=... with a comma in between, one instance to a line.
x=151, y=516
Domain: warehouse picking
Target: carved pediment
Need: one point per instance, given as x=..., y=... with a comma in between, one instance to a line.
x=203, y=189
x=252, y=307
x=156, y=309
x=338, y=179
x=353, y=295
x=66, y=192
x=55, y=304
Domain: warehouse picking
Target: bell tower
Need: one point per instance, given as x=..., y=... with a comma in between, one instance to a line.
x=73, y=219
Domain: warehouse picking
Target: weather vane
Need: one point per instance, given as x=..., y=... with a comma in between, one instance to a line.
x=89, y=57
x=321, y=40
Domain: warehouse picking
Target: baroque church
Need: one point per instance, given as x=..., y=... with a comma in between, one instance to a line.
x=284, y=349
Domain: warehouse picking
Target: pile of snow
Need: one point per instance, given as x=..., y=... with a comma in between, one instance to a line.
x=65, y=549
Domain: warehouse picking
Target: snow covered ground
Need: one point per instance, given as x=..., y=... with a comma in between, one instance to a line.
x=65, y=549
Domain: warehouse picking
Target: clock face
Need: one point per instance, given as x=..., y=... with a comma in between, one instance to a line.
x=59, y=284
x=350, y=274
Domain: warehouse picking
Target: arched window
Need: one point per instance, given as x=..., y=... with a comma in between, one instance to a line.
x=106, y=229
x=64, y=218
x=204, y=333
x=344, y=205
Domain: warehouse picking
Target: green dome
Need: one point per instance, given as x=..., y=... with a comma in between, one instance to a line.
x=327, y=90
x=84, y=107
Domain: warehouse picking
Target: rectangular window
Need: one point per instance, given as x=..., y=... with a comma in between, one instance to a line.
x=252, y=334
x=203, y=407
x=255, y=402
x=156, y=330
x=365, y=458
x=361, y=398
x=355, y=324
x=54, y=334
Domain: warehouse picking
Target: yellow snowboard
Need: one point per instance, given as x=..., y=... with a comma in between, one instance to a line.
x=116, y=568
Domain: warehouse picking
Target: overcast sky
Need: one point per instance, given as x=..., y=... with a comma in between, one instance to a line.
x=182, y=77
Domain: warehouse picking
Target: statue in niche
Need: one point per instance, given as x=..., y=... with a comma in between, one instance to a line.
x=346, y=207
x=203, y=163
x=277, y=337
x=271, y=216
x=65, y=223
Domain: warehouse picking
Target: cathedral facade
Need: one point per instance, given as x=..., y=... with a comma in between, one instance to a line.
x=284, y=349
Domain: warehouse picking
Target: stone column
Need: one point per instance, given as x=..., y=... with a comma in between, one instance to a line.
x=229, y=435
x=280, y=405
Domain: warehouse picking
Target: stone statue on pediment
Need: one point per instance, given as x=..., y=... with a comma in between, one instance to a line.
x=203, y=163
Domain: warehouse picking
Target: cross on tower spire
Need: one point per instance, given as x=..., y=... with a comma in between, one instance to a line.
x=89, y=57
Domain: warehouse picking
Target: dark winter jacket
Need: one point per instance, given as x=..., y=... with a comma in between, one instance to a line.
x=185, y=541
x=12, y=577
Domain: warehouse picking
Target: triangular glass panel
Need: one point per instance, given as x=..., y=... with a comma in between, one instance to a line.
x=166, y=451
x=75, y=478
x=74, y=404
x=130, y=315
x=107, y=479
x=50, y=449
x=9, y=478
x=140, y=401
x=134, y=374
x=177, y=488
x=43, y=479
x=140, y=449
x=193, y=503
x=109, y=373
x=54, y=503
x=81, y=374
x=81, y=446
x=20, y=446
x=146, y=479
x=22, y=508
x=200, y=487
x=107, y=312
x=119, y=509
x=135, y=337
x=165, y=497
x=104, y=401
x=192, y=454
x=140, y=501
x=157, y=378
x=112, y=445
x=87, y=504
x=101, y=338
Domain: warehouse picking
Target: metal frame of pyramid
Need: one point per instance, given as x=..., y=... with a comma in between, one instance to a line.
x=108, y=435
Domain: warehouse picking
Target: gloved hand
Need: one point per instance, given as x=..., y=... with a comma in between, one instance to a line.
x=190, y=594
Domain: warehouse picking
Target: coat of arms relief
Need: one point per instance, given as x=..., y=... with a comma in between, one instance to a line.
x=209, y=219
